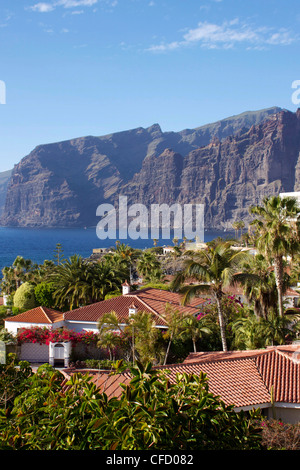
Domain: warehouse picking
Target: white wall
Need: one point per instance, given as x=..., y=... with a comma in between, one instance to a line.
x=79, y=326
x=13, y=326
x=34, y=352
x=287, y=413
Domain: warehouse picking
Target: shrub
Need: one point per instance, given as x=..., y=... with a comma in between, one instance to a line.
x=150, y=414
x=24, y=297
x=44, y=294
x=277, y=435
x=99, y=364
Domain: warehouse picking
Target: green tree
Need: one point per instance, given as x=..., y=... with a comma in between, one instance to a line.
x=278, y=227
x=109, y=340
x=8, y=282
x=104, y=278
x=58, y=254
x=194, y=329
x=44, y=294
x=24, y=297
x=13, y=376
x=13, y=276
x=260, y=287
x=174, y=321
x=252, y=332
x=146, y=336
x=151, y=413
x=278, y=330
x=70, y=280
x=212, y=268
x=79, y=282
x=248, y=332
x=149, y=267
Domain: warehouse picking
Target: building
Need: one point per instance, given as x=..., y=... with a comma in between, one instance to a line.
x=86, y=318
x=268, y=379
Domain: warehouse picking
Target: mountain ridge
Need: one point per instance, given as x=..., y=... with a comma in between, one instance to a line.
x=61, y=184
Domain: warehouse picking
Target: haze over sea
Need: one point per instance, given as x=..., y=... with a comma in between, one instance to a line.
x=39, y=244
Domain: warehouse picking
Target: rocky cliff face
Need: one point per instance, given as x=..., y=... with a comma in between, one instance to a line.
x=227, y=165
x=226, y=176
x=4, y=181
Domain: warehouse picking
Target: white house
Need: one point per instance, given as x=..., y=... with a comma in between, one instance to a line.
x=86, y=318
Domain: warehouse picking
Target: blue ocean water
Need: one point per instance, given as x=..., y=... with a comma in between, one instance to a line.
x=39, y=244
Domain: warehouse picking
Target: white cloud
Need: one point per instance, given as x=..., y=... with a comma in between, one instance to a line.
x=42, y=7
x=76, y=3
x=227, y=35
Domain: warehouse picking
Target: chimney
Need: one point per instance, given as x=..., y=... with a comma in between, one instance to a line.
x=125, y=288
x=132, y=310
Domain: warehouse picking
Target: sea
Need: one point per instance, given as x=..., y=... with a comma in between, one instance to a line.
x=39, y=245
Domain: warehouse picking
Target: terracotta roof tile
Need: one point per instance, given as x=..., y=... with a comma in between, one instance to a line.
x=149, y=300
x=37, y=315
x=281, y=373
x=240, y=378
x=236, y=381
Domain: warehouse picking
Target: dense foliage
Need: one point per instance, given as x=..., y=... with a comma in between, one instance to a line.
x=151, y=413
x=24, y=297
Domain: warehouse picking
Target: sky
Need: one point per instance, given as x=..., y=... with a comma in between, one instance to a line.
x=71, y=68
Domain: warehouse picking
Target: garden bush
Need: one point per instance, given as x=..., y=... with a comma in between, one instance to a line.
x=277, y=435
x=151, y=414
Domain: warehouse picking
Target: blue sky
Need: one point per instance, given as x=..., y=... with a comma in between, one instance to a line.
x=91, y=67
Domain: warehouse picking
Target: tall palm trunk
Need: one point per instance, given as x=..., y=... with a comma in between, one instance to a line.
x=278, y=270
x=221, y=321
x=168, y=349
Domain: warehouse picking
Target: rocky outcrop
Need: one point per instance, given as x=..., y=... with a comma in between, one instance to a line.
x=226, y=176
x=4, y=181
x=227, y=165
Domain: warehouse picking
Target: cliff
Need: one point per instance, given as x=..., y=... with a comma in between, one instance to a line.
x=227, y=165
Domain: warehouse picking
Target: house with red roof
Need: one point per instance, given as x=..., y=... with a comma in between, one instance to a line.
x=149, y=300
x=36, y=317
x=268, y=379
x=86, y=318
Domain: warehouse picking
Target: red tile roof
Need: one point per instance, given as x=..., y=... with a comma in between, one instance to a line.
x=236, y=381
x=148, y=299
x=38, y=315
x=240, y=378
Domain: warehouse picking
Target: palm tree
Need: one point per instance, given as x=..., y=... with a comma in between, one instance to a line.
x=109, y=341
x=22, y=268
x=103, y=277
x=278, y=329
x=235, y=225
x=71, y=281
x=174, y=320
x=248, y=332
x=109, y=322
x=149, y=267
x=194, y=329
x=143, y=325
x=278, y=228
x=213, y=268
x=8, y=282
x=79, y=282
x=260, y=287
